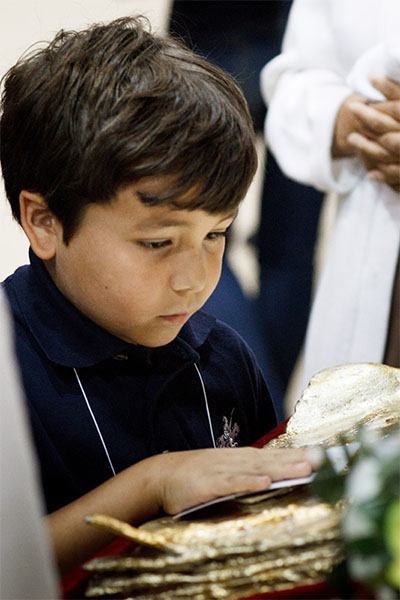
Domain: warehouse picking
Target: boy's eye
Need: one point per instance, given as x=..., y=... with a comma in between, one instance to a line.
x=154, y=244
x=216, y=235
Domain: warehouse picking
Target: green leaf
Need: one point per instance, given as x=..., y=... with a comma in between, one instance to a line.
x=328, y=485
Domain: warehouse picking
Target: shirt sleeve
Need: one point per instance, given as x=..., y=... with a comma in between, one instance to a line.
x=304, y=87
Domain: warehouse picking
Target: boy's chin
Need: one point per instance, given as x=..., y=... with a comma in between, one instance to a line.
x=162, y=341
x=153, y=341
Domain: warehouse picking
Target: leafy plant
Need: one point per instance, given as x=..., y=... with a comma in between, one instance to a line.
x=369, y=486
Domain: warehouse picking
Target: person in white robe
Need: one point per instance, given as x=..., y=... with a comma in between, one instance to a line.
x=334, y=122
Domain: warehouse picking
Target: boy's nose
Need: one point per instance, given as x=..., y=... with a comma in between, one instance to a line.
x=190, y=273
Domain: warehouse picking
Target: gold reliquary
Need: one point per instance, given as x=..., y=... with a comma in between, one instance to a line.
x=261, y=542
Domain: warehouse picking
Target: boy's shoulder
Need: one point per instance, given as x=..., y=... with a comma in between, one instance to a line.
x=15, y=284
x=46, y=322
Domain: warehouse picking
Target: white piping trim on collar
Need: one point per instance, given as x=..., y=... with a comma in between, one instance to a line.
x=94, y=421
x=203, y=387
x=98, y=428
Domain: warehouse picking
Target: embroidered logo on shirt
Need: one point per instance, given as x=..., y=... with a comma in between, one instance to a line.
x=230, y=433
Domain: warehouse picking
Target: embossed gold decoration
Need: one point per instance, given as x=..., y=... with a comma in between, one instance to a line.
x=339, y=400
x=261, y=543
x=281, y=542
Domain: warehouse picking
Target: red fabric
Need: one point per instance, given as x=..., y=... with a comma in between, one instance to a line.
x=279, y=429
x=319, y=591
x=74, y=582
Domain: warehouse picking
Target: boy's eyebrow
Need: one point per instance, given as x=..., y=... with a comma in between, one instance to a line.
x=151, y=222
x=172, y=221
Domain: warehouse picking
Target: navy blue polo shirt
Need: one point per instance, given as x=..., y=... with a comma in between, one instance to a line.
x=144, y=400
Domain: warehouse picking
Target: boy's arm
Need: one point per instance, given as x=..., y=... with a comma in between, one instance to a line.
x=169, y=482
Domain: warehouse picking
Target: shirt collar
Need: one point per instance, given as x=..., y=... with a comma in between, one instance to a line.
x=68, y=337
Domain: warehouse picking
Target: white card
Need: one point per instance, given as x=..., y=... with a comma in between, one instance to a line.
x=276, y=485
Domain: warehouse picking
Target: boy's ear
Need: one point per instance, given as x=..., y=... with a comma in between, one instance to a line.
x=40, y=224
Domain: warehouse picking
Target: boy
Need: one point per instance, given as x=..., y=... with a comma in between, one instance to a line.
x=125, y=157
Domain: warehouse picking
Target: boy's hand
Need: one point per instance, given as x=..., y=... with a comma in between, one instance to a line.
x=184, y=479
x=171, y=482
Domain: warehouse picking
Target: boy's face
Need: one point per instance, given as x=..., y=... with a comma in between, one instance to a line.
x=138, y=271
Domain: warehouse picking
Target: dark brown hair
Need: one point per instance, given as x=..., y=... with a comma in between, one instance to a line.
x=101, y=108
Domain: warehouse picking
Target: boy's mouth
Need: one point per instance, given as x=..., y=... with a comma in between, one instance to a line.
x=176, y=318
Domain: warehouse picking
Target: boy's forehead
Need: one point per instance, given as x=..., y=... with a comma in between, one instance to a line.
x=175, y=217
x=158, y=184
x=158, y=187
x=149, y=191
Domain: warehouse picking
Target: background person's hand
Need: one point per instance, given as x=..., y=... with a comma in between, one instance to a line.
x=381, y=157
x=384, y=153
x=391, y=90
x=371, y=130
x=369, y=121
x=189, y=478
x=347, y=122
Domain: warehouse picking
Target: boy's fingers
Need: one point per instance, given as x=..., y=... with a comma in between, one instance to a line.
x=260, y=455
x=290, y=470
x=200, y=475
x=247, y=483
x=315, y=455
x=286, y=455
x=282, y=463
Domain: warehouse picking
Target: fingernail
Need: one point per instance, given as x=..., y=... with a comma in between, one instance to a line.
x=315, y=455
